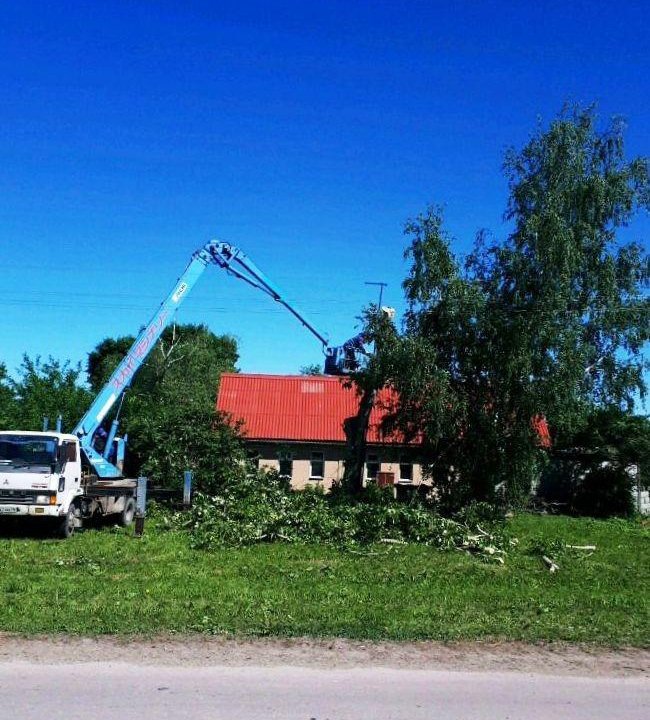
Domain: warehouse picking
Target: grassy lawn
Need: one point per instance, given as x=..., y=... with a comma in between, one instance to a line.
x=106, y=581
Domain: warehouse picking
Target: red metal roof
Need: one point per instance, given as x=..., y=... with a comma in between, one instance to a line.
x=307, y=408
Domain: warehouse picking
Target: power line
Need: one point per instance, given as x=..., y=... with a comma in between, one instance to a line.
x=35, y=295
x=144, y=309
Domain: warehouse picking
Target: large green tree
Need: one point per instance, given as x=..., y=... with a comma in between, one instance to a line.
x=169, y=411
x=551, y=321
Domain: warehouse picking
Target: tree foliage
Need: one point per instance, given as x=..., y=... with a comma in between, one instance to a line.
x=42, y=389
x=169, y=412
x=552, y=321
x=187, y=437
x=8, y=410
x=105, y=358
x=312, y=369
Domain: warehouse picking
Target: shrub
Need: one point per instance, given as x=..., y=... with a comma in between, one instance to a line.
x=589, y=488
x=604, y=491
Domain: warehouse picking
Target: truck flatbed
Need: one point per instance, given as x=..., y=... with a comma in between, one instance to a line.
x=122, y=486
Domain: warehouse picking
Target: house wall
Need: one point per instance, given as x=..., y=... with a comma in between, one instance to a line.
x=303, y=454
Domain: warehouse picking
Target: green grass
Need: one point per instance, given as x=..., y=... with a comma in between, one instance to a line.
x=105, y=581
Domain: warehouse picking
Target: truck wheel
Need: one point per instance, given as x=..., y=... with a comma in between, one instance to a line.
x=126, y=516
x=67, y=523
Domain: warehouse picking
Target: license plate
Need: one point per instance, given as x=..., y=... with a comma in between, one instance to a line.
x=9, y=510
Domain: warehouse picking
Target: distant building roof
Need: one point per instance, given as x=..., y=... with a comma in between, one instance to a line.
x=305, y=408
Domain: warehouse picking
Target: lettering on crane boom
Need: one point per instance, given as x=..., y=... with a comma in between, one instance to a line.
x=180, y=291
x=141, y=349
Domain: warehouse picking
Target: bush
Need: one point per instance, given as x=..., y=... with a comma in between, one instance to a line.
x=591, y=488
x=187, y=437
x=604, y=492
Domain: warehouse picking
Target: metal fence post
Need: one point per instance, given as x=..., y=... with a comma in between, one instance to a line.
x=140, y=505
x=187, y=488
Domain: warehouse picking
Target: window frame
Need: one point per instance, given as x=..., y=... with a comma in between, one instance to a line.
x=313, y=460
x=283, y=457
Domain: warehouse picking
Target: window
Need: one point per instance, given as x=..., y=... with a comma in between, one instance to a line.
x=405, y=470
x=317, y=465
x=372, y=467
x=71, y=451
x=285, y=460
x=20, y=450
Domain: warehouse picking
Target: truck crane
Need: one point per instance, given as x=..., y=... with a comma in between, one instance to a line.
x=69, y=477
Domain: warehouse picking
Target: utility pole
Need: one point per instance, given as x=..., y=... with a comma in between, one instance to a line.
x=382, y=285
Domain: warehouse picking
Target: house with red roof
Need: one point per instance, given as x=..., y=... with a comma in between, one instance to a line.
x=295, y=424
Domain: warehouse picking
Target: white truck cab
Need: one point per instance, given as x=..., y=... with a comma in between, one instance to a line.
x=42, y=476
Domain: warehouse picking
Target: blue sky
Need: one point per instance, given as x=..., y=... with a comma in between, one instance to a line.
x=305, y=133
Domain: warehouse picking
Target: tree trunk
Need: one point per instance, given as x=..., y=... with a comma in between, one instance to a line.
x=356, y=431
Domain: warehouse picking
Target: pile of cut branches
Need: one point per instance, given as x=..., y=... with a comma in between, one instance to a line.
x=263, y=508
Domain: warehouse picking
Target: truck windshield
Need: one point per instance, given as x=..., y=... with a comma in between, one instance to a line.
x=19, y=451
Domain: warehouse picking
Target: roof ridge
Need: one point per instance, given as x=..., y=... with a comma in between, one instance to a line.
x=328, y=378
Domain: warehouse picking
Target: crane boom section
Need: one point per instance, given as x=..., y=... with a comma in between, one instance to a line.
x=237, y=263
x=142, y=346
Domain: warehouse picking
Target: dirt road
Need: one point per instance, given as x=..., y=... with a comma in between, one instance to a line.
x=202, y=650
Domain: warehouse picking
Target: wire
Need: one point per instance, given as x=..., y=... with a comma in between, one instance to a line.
x=126, y=296
x=277, y=310
x=141, y=308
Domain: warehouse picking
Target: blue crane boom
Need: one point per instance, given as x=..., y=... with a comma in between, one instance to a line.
x=234, y=262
